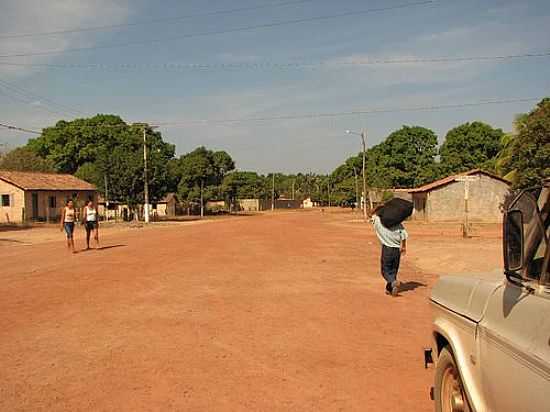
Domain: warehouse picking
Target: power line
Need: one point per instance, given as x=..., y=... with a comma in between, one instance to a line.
x=353, y=112
x=226, y=31
x=7, y=92
x=429, y=108
x=19, y=129
x=155, y=21
x=277, y=65
x=32, y=96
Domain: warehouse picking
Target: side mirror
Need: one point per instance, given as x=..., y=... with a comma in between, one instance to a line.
x=513, y=241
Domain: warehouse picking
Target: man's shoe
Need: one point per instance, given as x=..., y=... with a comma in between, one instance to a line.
x=395, y=288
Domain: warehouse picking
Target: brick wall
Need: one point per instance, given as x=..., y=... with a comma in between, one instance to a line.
x=486, y=196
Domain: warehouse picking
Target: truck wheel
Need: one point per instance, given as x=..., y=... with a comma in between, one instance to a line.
x=449, y=395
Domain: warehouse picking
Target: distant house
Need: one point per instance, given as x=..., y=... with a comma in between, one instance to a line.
x=480, y=193
x=166, y=207
x=249, y=205
x=28, y=196
x=307, y=203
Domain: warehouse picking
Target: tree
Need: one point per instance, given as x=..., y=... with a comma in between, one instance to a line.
x=470, y=146
x=25, y=160
x=200, y=173
x=527, y=157
x=243, y=185
x=408, y=156
x=103, y=148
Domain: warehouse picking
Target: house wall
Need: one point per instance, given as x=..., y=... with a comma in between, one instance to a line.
x=46, y=213
x=486, y=196
x=13, y=213
x=249, y=205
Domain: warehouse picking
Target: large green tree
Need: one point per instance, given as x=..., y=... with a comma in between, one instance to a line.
x=244, y=185
x=526, y=159
x=200, y=174
x=470, y=146
x=106, y=149
x=26, y=160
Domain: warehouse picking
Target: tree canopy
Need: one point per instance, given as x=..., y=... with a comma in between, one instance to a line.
x=105, y=148
x=470, y=146
x=527, y=157
x=201, y=172
x=25, y=160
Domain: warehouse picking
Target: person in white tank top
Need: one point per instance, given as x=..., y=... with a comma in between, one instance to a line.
x=91, y=223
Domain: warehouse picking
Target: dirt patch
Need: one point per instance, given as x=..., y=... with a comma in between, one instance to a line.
x=274, y=312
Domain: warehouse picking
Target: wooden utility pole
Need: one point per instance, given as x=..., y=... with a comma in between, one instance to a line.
x=365, y=194
x=466, y=229
x=273, y=193
x=356, y=188
x=145, y=176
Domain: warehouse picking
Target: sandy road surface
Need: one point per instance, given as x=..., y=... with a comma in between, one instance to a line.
x=264, y=313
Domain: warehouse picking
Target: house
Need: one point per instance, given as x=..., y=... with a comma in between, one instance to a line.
x=307, y=203
x=249, y=205
x=477, y=194
x=29, y=196
x=166, y=207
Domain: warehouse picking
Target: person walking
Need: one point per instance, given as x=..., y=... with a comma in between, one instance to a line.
x=67, y=223
x=91, y=223
x=394, y=245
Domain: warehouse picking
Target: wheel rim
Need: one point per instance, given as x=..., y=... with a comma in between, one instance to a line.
x=452, y=394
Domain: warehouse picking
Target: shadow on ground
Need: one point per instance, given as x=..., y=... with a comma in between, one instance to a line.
x=412, y=285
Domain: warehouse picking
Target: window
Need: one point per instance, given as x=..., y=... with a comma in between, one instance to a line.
x=52, y=202
x=5, y=200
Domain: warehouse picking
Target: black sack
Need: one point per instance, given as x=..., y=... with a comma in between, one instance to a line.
x=394, y=212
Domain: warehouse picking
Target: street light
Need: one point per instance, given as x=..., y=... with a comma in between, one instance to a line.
x=363, y=136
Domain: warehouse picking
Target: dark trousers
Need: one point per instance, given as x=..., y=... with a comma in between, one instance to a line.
x=389, y=263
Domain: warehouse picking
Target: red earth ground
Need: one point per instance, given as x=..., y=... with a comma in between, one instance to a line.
x=282, y=312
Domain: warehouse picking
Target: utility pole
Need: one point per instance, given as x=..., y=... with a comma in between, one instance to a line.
x=273, y=193
x=363, y=136
x=106, y=197
x=356, y=188
x=328, y=192
x=145, y=176
x=202, y=200
x=365, y=194
x=293, y=183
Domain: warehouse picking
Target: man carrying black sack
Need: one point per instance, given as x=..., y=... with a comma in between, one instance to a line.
x=394, y=244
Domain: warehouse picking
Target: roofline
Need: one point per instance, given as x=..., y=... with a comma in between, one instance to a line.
x=435, y=185
x=92, y=188
x=12, y=183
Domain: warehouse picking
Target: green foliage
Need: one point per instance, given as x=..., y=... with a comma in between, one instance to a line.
x=405, y=159
x=244, y=185
x=105, y=146
x=201, y=170
x=470, y=146
x=24, y=159
x=526, y=157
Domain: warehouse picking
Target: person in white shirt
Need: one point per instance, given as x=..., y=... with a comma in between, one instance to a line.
x=394, y=244
x=91, y=223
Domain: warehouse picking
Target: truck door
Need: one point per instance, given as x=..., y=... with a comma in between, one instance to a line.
x=514, y=334
x=514, y=350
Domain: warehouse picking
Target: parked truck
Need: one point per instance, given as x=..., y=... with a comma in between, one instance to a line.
x=491, y=337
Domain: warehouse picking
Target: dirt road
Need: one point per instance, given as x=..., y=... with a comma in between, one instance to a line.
x=265, y=313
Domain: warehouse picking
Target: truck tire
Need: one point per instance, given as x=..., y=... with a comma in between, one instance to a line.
x=449, y=394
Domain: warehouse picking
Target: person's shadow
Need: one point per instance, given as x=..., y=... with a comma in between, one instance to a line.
x=412, y=285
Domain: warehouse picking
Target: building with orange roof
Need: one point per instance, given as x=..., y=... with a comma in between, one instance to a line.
x=30, y=196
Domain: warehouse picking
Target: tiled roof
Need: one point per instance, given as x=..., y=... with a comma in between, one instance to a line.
x=44, y=181
x=450, y=179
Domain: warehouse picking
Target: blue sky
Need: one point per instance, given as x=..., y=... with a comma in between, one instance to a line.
x=443, y=28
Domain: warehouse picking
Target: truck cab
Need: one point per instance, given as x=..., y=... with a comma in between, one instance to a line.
x=492, y=335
